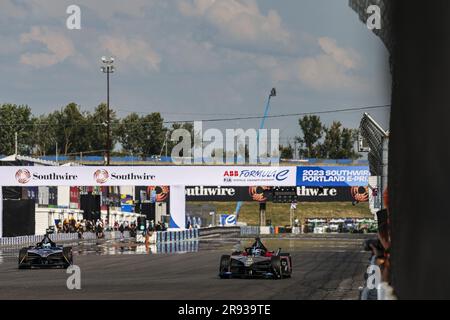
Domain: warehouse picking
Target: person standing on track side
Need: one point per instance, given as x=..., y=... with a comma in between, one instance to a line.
x=121, y=230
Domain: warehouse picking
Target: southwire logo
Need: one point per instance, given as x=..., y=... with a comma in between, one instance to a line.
x=102, y=176
x=23, y=176
x=316, y=192
x=210, y=191
x=132, y=176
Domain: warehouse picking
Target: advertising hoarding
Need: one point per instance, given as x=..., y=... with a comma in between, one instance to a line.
x=332, y=176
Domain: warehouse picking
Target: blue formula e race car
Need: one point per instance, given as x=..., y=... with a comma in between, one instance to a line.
x=46, y=254
x=256, y=261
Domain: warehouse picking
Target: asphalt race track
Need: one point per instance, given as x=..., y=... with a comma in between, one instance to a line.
x=325, y=267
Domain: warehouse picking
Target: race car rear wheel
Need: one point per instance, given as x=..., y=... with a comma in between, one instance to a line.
x=225, y=267
x=23, y=259
x=68, y=257
x=276, y=267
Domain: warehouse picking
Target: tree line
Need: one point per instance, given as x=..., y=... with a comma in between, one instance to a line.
x=74, y=132
x=322, y=142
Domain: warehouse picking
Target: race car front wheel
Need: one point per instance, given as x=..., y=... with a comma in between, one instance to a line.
x=225, y=267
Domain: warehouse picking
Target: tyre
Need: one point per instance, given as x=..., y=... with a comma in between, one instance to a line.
x=22, y=259
x=286, y=266
x=276, y=267
x=68, y=257
x=225, y=266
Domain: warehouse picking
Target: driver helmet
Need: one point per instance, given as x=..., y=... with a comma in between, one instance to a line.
x=46, y=245
x=257, y=252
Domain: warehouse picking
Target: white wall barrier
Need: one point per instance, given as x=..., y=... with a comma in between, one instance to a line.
x=33, y=239
x=89, y=236
x=56, y=237
x=176, y=236
x=177, y=247
x=250, y=231
x=113, y=235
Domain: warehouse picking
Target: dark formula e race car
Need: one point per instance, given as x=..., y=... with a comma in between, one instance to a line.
x=45, y=254
x=256, y=261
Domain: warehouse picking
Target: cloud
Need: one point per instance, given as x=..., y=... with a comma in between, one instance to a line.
x=11, y=10
x=345, y=57
x=106, y=10
x=332, y=69
x=238, y=21
x=58, y=46
x=183, y=54
x=135, y=52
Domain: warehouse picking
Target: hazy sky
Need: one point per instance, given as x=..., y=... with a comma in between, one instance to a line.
x=193, y=59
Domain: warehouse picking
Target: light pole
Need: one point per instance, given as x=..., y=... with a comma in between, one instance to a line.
x=108, y=68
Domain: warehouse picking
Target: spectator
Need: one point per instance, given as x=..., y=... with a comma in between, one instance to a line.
x=99, y=229
x=121, y=230
x=66, y=225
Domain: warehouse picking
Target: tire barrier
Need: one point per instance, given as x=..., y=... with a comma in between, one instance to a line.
x=177, y=247
x=176, y=236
